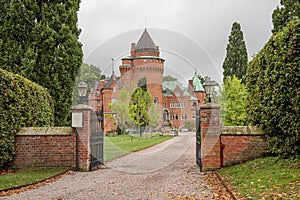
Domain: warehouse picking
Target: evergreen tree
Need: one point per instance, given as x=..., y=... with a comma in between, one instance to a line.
x=40, y=42
x=288, y=9
x=236, y=59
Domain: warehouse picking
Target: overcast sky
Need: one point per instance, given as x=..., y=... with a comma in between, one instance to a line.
x=190, y=33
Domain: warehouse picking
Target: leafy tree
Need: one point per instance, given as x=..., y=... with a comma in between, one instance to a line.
x=155, y=116
x=273, y=82
x=190, y=125
x=39, y=40
x=139, y=106
x=236, y=59
x=232, y=99
x=142, y=83
x=169, y=78
x=121, y=108
x=288, y=10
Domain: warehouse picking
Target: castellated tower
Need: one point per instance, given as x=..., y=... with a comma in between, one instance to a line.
x=144, y=61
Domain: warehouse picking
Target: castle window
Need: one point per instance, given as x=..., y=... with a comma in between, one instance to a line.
x=113, y=100
x=114, y=89
x=194, y=104
x=184, y=116
x=178, y=105
x=98, y=103
x=176, y=117
x=156, y=101
x=145, y=60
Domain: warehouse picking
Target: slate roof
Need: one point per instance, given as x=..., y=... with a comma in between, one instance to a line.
x=110, y=81
x=146, y=43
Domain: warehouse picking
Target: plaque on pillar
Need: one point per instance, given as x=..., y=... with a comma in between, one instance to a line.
x=77, y=119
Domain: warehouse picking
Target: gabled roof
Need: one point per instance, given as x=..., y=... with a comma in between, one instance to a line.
x=146, y=43
x=169, y=87
x=198, y=87
x=110, y=81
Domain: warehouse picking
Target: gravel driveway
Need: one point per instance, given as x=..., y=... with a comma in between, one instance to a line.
x=165, y=171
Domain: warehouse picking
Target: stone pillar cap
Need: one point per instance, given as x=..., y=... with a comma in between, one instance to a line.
x=81, y=107
x=210, y=105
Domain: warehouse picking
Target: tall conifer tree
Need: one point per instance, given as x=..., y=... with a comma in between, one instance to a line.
x=236, y=59
x=40, y=42
x=288, y=10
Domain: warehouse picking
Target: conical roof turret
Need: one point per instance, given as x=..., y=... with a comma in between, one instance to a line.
x=146, y=43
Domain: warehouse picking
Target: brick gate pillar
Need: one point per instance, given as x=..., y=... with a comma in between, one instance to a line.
x=210, y=136
x=82, y=119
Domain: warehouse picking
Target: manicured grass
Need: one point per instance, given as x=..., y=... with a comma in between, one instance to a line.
x=123, y=144
x=265, y=178
x=27, y=176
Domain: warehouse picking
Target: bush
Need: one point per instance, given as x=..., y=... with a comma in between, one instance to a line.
x=22, y=103
x=273, y=82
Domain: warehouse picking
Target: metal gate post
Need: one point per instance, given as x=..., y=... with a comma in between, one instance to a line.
x=198, y=140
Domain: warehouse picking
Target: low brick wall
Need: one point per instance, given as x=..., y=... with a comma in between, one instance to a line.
x=39, y=147
x=241, y=143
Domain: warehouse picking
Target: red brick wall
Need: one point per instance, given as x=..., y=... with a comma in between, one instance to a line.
x=234, y=145
x=55, y=146
x=240, y=148
x=210, y=136
x=45, y=150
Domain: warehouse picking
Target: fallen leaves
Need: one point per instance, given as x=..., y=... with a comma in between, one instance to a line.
x=219, y=188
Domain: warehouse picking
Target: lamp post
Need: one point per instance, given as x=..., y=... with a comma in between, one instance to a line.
x=208, y=85
x=82, y=88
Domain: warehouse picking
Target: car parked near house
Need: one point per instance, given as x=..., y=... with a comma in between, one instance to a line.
x=183, y=129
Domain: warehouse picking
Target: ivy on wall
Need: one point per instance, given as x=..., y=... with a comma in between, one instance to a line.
x=22, y=103
x=273, y=82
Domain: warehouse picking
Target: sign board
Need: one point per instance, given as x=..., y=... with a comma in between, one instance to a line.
x=77, y=119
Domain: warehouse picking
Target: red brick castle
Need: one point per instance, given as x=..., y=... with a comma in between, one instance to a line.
x=177, y=103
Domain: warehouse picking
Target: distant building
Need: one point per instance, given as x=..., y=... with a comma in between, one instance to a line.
x=177, y=103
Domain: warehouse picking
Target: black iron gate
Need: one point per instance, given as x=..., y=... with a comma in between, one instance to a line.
x=96, y=140
x=198, y=140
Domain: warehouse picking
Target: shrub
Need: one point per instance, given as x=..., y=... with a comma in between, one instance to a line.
x=273, y=82
x=22, y=103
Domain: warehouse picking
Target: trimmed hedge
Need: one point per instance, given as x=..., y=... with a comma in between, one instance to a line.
x=22, y=103
x=273, y=82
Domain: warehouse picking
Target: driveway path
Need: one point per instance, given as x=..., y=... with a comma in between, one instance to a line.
x=165, y=171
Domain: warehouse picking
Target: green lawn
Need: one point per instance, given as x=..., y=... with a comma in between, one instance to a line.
x=123, y=144
x=27, y=176
x=265, y=178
